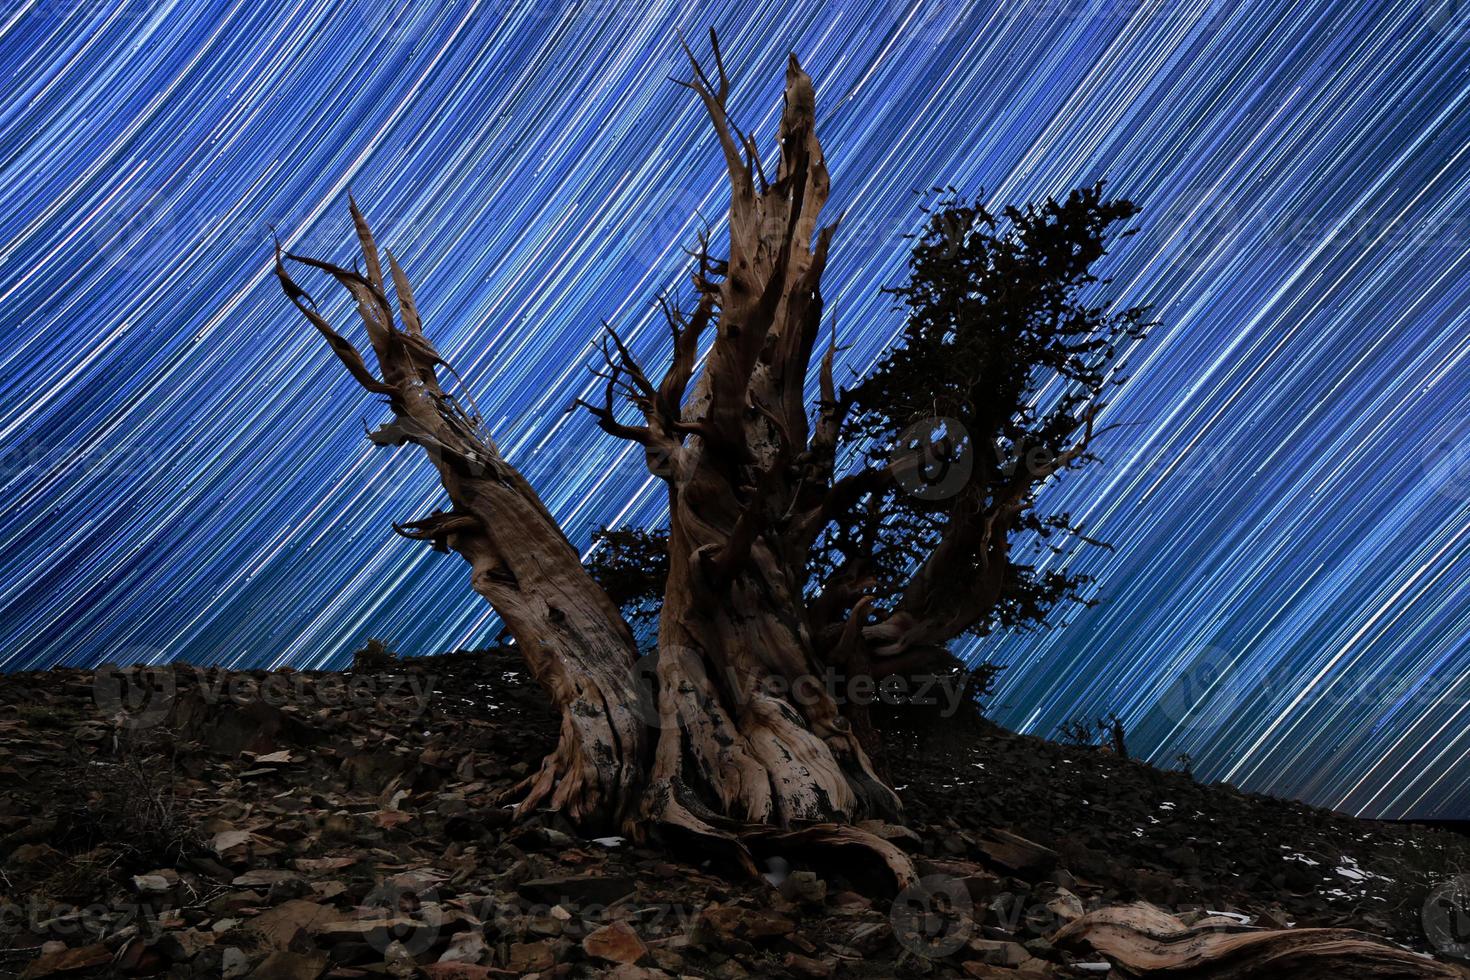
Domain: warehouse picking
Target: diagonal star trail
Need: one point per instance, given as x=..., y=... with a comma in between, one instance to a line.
x=183, y=466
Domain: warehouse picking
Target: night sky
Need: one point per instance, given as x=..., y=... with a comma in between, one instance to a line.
x=184, y=470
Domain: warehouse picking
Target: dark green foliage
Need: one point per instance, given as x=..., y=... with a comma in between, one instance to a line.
x=1004, y=355
x=1075, y=731
x=995, y=308
x=1108, y=732
x=922, y=717
x=1003, y=334
x=631, y=564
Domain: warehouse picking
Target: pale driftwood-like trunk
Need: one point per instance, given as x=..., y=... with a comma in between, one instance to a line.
x=746, y=733
x=1143, y=941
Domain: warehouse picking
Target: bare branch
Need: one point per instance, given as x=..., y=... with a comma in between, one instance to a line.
x=369, y=247
x=408, y=310
x=686, y=354
x=346, y=352
x=568, y=630
x=437, y=528
x=715, y=98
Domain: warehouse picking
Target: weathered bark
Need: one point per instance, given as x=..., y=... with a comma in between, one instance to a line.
x=748, y=735
x=571, y=635
x=748, y=732
x=1143, y=941
x=748, y=748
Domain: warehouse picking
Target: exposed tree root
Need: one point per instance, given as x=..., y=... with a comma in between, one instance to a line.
x=878, y=859
x=734, y=783
x=880, y=866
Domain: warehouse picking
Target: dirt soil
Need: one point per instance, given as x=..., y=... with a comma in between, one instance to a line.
x=320, y=824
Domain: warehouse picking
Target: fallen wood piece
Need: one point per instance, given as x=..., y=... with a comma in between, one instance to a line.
x=1143, y=941
x=847, y=843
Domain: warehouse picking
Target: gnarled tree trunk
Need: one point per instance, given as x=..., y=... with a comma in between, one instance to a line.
x=741, y=735
x=734, y=739
x=747, y=730
x=572, y=636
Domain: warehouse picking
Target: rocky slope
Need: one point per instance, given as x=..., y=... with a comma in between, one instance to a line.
x=203, y=823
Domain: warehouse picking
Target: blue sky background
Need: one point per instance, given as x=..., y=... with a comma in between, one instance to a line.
x=182, y=462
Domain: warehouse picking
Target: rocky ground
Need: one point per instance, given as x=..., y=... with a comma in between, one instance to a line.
x=303, y=825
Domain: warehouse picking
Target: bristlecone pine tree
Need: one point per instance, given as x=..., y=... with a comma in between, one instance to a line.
x=794, y=541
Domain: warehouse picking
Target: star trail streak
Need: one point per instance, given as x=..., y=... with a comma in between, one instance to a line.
x=183, y=467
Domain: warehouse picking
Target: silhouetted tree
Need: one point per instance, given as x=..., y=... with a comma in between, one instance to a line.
x=1108, y=733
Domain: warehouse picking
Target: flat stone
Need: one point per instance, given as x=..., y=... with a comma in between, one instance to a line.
x=615, y=942
x=313, y=865
x=998, y=952
x=466, y=947
x=154, y=883
x=1066, y=907
x=279, y=927
x=378, y=931
x=530, y=957
x=1017, y=854
x=807, y=966
x=68, y=961
x=234, y=963
x=265, y=877
x=230, y=843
